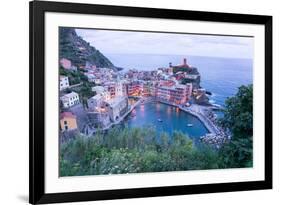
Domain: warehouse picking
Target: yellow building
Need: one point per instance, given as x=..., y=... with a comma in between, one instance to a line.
x=67, y=121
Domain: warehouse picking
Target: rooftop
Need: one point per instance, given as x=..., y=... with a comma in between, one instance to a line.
x=70, y=95
x=115, y=101
x=173, y=87
x=97, y=97
x=63, y=77
x=98, y=89
x=67, y=115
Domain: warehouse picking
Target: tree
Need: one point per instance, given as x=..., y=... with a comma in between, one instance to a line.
x=133, y=150
x=238, y=119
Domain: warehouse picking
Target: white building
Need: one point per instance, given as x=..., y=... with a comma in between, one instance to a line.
x=116, y=89
x=70, y=99
x=95, y=101
x=102, y=91
x=99, y=99
x=119, y=89
x=117, y=107
x=192, y=76
x=97, y=81
x=64, y=83
x=98, y=89
x=91, y=77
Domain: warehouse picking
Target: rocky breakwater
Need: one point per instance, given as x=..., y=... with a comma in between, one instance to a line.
x=218, y=137
x=214, y=139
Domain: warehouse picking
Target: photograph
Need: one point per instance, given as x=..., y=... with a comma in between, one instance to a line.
x=144, y=101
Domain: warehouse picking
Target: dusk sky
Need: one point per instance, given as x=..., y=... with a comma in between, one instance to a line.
x=126, y=42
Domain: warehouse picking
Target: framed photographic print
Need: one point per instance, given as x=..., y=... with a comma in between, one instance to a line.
x=140, y=102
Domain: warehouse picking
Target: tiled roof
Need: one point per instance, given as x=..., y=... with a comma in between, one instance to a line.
x=67, y=115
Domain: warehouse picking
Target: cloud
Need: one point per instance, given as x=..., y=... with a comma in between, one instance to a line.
x=128, y=42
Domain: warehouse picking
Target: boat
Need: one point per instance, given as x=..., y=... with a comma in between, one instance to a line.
x=189, y=125
x=208, y=92
x=159, y=120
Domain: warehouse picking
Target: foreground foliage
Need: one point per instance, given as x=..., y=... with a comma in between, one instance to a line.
x=131, y=151
x=238, y=119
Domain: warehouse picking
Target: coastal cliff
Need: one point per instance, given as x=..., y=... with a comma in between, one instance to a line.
x=72, y=46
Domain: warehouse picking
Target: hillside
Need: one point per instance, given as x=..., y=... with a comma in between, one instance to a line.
x=79, y=51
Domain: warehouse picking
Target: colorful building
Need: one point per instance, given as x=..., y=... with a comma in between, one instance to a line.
x=135, y=88
x=174, y=93
x=149, y=89
x=67, y=121
x=116, y=89
x=66, y=64
x=98, y=100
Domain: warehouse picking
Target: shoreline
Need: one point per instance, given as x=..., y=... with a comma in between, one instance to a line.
x=215, y=136
x=209, y=125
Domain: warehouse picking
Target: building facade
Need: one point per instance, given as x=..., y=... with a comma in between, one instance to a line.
x=66, y=64
x=70, y=99
x=98, y=100
x=116, y=89
x=135, y=88
x=117, y=107
x=173, y=93
x=67, y=121
x=64, y=83
x=99, y=118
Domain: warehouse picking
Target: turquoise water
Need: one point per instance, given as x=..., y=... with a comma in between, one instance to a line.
x=172, y=119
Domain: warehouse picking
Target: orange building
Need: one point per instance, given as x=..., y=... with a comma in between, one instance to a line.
x=67, y=121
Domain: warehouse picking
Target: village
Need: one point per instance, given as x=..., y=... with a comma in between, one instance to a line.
x=115, y=94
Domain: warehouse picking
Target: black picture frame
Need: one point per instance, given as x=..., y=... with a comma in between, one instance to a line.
x=37, y=11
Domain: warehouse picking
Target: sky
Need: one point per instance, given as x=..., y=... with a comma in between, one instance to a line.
x=128, y=42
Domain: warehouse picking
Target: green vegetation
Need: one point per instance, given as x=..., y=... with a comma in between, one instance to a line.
x=84, y=89
x=187, y=80
x=137, y=150
x=74, y=77
x=238, y=118
x=133, y=151
x=73, y=47
x=179, y=69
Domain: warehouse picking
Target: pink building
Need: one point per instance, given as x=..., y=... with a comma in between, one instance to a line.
x=135, y=88
x=173, y=93
x=65, y=63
